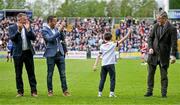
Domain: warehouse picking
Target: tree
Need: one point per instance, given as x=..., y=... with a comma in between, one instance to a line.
x=174, y=4
x=82, y=8
x=91, y=8
x=146, y=9
x=39, y=9
x=67, y=9
x=113, y=8
x=101, y=9
x=126, y=8
x=52, y=6
x=1, y=4
x=85, y=8
x=138, y=8
x=15, y=4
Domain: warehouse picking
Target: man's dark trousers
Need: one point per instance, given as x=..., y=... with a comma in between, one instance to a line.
x=26, y=58
x=59, y=60
x=164, y=77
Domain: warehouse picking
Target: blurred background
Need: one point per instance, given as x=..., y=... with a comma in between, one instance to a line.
x=87, y=20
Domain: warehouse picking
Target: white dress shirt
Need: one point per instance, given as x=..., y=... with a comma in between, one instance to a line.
x=24, y=40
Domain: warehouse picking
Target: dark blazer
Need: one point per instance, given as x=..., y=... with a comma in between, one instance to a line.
x=51, y=42
x=15, y=36
x=164, y=45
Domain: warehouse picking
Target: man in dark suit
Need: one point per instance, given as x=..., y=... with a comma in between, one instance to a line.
x=162, y=45
x=55, y=53
x=21, y=35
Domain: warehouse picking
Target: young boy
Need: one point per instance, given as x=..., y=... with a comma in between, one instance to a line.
x=107, y=51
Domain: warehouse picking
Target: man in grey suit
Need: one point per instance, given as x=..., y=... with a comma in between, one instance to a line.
x=55, y=53
x=21, y=35
x=162, y=45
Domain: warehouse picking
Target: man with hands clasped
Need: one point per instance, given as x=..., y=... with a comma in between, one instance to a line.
x=55, y=53
x=21, y=34
x=162, y=45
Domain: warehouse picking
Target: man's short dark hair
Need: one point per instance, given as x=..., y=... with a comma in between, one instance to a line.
x=108, y=36
x=50, y=18
x=20, y=15
x=163, y=14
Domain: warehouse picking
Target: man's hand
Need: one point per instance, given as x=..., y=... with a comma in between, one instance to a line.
x=172, y=59
x=61, y=27
x=151, y=51
x=20, y=26
x=94, y=68
x=27, y=25
x=63, y=23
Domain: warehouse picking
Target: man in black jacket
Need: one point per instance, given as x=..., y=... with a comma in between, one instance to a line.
x=21, y=35
x=162, y=45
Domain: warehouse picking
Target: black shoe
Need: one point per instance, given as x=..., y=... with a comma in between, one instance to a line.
x=164, y=96
x=148, y=94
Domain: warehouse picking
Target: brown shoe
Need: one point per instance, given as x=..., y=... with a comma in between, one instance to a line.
x=19, y=95
x=34, y=94
x=66, y=94
x=50, y=93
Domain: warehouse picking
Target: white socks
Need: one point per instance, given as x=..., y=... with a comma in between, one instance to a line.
x=99, y=94
x=112, y=94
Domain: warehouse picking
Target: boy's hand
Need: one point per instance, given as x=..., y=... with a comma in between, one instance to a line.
x=94, y=68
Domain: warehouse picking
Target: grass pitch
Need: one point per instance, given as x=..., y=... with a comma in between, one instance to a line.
x=83, y=85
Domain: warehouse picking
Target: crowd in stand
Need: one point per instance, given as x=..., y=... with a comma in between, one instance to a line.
x=37, y=25
x=4, y=31
x=139, y=36
x=87, y=33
